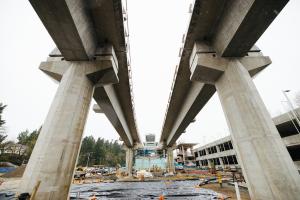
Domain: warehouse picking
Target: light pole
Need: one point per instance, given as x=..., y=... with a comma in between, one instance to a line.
x=291, y=106
x=87, y=163
x=290, y=117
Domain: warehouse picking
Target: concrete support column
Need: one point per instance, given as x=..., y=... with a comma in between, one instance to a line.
x=170, y=160
x=53, y=159
x=129, y=161
x=183, y=155
x=54, y=156
x=266, y=163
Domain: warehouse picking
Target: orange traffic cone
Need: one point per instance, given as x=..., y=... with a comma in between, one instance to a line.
x=93, y=197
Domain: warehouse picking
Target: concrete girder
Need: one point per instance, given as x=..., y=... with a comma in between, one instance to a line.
x=196, y=98
x=70, y=26
x=242, y=23
x=108, y=102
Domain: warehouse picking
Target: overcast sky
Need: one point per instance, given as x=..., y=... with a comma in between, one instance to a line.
x=156, y=29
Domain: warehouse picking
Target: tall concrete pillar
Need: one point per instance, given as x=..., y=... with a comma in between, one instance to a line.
x=183, y=155
x=129, y=161
x=266, y=163
x=54, y=156
x=170, y=160
x=267, y=166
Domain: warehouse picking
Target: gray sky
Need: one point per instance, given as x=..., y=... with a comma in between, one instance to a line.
x=156, y=29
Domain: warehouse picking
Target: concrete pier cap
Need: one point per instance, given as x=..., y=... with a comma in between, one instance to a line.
x=207, y=66
x=102, y=70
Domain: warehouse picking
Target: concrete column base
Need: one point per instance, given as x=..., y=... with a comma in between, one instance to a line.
x=266, y=163
x=54, y=157
x=129, y=161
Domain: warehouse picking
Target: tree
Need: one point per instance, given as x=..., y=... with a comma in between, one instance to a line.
x=29, y=139
x=87, y=148
x=3, y=135
x=23, y=137
x=1, y=110
x=100, y=152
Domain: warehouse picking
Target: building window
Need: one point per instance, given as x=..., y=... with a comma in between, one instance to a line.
x=230, y=160
x=216, y=161
x=196, y=154
x=209, y=152
x=226, y=146
x=204, y=162
x=235, y=160
x=225, y=161
x=230, y=145
x=221, y=147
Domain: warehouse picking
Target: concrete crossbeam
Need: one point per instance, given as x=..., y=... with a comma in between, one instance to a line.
x=70, y=26
x=206, y=66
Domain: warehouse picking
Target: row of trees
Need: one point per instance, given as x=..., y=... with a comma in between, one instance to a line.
x=101, y=152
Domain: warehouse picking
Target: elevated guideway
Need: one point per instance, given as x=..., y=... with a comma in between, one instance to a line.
x=92, y=60
x=219, y=54
x=79, y=29
x=230, y=28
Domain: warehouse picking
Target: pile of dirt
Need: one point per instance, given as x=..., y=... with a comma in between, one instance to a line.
x=18, y=172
